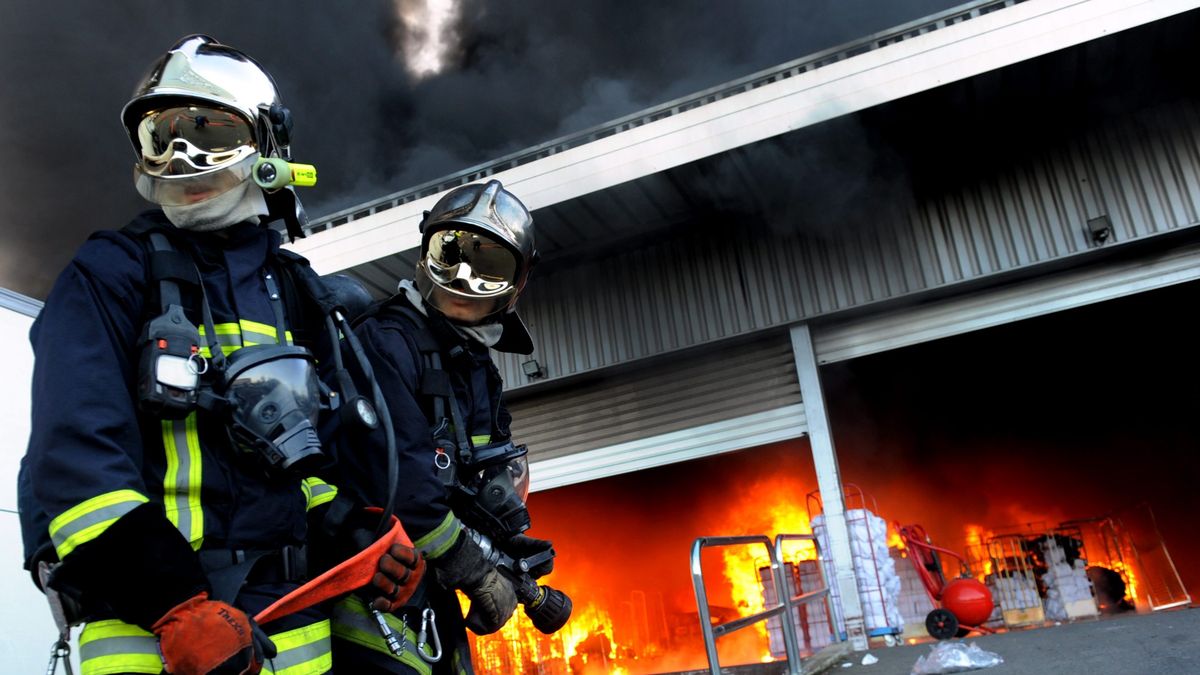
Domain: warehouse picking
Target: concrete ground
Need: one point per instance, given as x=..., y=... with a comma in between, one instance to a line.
x=1165, y=643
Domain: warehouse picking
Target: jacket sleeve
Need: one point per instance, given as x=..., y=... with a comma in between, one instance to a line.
x=85, y=450
x=421, y=500
x=85, y=454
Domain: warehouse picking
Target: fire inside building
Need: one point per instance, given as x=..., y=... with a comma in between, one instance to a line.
x=926, y=297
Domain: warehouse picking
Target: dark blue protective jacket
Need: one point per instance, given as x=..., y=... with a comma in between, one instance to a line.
x=93, y=456
x=422, y=501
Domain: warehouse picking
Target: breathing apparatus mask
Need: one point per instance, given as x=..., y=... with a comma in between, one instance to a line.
x=491, y=489
x=272, y=398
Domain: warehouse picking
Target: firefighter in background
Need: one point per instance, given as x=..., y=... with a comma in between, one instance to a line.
x=464, y=482
x=167, y=482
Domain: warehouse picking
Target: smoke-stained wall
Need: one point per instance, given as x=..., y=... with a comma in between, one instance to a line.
x=745, y=270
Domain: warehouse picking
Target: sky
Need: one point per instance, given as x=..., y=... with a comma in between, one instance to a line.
x=386, y=94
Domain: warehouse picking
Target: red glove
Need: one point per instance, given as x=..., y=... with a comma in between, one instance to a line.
x=401, y=569
x=207, y=637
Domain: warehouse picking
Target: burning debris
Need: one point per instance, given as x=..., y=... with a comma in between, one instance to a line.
x=635, y=612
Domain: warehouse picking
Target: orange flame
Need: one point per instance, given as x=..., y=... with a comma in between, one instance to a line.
x=977, y=537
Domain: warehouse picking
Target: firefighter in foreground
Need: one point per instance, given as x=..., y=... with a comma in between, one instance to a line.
x=464, y=482
x=170, y=481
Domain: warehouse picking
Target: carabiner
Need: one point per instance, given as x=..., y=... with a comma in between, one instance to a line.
x=194, y=359
x=61, y=651
x=427, y=625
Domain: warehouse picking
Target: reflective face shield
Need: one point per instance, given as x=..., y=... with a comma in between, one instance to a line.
x=192, y=153
x=471, y=265
x=275, y=399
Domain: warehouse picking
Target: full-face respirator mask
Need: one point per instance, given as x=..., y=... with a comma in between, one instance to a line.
x=492, y=489
x=272, y=398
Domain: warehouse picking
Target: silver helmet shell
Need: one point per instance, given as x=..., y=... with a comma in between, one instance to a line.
x=199, y=70
x=491, y=210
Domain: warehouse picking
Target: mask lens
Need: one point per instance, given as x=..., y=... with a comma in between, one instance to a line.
x=519, y=470
x=186, y=140
x=470, y=263
x=276, y=395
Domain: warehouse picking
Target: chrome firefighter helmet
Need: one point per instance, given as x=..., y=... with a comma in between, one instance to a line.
x=199, y=121
x=477, y=243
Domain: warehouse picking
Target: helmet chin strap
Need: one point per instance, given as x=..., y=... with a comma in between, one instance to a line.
x=242, y=203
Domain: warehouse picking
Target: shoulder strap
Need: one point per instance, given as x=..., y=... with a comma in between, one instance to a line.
x=166, y=266
x=433, y=381
x=166, y=269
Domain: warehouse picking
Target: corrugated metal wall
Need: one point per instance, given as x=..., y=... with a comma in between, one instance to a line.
x=1143, y=173
x=693, y=390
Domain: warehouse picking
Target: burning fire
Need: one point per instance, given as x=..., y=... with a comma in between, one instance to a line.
x=784, y=513
x=977, y=538
x=627, y=570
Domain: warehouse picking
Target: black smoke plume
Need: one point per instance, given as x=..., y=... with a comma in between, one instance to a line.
x=517, y=74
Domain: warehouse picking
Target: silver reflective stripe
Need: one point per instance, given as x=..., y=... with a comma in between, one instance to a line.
x=441, y=538
x=111, y=512
x=118, y=646
x=255, y=338
x=176, y=491
x=228, y=336
x=300, y=655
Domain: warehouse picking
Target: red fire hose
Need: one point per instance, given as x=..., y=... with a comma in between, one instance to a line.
x=351, y=574
x=962, y=604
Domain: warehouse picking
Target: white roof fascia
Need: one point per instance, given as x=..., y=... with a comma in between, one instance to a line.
x=953, y=53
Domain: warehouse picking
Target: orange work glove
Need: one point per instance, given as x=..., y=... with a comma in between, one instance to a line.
x=207, y=637
x=401, y=569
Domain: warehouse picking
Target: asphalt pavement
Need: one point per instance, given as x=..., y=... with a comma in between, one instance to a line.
x=1164, y=643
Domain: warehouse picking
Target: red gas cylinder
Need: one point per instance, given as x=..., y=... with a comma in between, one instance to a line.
x=970, y=601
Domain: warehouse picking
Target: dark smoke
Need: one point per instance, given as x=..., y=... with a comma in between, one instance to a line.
x=521, y=73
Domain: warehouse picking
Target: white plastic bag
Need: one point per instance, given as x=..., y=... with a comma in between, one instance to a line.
x=955, y=657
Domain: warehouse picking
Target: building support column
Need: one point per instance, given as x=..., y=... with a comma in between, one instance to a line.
x=829, y=482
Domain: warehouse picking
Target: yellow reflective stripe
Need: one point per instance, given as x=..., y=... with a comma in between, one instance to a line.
x=302, y=651
x=87, y=520
x=352, y=622
x=317, y=492
x=229, y=336
x=483, y=439
x=111, y=646
x=255, y=333
x=182, y=480
x=441, y=538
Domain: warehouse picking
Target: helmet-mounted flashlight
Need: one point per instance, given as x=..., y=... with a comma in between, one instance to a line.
x=272, y=173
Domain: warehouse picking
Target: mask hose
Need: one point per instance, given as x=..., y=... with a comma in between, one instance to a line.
x=393, y=465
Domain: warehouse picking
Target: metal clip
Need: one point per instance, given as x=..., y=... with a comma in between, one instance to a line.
x=395, y=645
x=427, y=625
x=195, y=359
x=441, y=460
x=61, y=651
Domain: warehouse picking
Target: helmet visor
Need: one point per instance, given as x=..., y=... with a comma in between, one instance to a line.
x=195, y=139
x=191, y=189
x=471, y=264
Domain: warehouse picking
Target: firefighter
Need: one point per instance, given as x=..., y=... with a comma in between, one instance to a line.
x=171, y=475
x=429, y=347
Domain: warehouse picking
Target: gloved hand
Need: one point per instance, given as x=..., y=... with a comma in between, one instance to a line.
x=522, y=546
x=207, y=637
x=400, y=572
x=493, y=601
x=341, y=528
x=493, y=598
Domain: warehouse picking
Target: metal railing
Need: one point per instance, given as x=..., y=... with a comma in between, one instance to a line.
x=782, y=609
x=803, y=64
